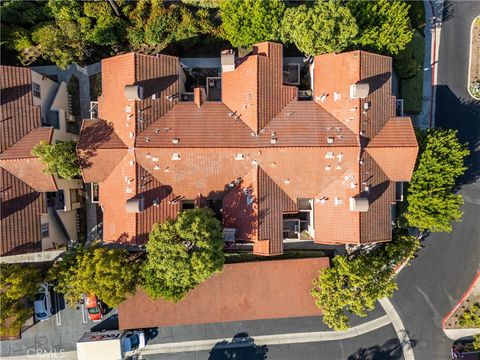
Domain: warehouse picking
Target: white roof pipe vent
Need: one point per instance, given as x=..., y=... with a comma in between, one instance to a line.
x=134, y=205
x=239, y=156
x=359, y=91
x=175, y=156
x=359, y=204
x=134, y=92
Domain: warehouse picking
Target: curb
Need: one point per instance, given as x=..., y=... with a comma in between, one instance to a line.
x=464, y=296
x=470, y=59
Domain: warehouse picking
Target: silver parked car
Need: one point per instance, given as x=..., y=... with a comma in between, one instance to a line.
x=43, y=303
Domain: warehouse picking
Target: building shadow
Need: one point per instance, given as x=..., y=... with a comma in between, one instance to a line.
x=109, y=323
x=390, y=350
x=463, y=115
x=241, y=347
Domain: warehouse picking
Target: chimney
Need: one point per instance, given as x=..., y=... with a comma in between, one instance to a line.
x=198, y=96
x=228, y=60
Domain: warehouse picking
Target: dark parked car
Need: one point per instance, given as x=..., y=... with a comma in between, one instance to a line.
x=465, y=351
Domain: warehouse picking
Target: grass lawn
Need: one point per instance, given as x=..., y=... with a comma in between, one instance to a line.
x=411, y=89
x=231, y=258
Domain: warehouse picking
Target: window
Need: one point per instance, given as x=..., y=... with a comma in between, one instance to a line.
x=45, y=232
x=188, y=204
x=36, y=90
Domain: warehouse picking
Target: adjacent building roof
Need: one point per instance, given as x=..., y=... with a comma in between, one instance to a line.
x=21, y=175
x=281, y=289
x=260, y=150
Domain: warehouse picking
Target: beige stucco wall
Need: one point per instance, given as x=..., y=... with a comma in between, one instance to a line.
x=48, y=89
x=55, y=234
x=69, y=220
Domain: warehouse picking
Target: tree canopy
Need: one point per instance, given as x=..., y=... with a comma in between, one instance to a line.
x=326, y=26
x=247, y=22
x=110, y=274
x=432, y=203
x=384, y=25
x=352, y=286
x=182, y=253
x=60, y=158
x=17, y=283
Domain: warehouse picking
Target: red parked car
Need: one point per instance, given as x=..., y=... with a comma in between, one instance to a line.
x=94, y=308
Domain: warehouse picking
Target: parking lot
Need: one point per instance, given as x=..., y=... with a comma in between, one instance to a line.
x=59, y=333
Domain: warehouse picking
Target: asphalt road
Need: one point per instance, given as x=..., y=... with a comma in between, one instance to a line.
x=370, y=346
x=447, y=264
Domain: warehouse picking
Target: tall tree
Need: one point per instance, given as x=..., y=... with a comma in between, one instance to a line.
x=60, y=158
x=326, y=26
x=110, y=274
x=352, y=286
x=247, y=22
x=432, y=203
x=17, y=284
x=182, y=253
x=384, y=25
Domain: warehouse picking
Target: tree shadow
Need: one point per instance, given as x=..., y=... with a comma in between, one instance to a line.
x=390, y=350
x=109, y=323
x=376, y=82
x=447, y=13
x=13, y=93
x=463, y=115
x=241, y=347
x=94, y=136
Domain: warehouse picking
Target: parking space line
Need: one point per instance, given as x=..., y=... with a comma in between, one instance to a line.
x=58, y=317
x=84, y=314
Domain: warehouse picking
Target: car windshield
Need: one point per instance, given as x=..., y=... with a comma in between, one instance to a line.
x=41, y=315
x=39, y=296
x=94, y=310
x=134, y=341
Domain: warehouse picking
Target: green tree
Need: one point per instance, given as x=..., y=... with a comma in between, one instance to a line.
x=432, y=203
x=384, y=25
x=18, y=283
x=247, y=22
x=476, y=341
x=352, y=286
x=60, y=158
x=182, y=253
x=110, y=274
x=324, y=27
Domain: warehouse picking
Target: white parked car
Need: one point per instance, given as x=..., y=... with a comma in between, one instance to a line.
x=43, y=303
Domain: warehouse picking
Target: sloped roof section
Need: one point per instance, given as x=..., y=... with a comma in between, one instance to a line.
x=395, y=141
x=99, y=149
x=21, y=208
x=254, y=90
x=18, y=114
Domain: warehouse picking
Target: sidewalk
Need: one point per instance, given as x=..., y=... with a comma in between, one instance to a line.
x=433, y=14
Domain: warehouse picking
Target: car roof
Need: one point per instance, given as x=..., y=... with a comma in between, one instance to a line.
x=38, y=306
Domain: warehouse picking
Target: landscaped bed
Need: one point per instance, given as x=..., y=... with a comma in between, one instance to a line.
x=474, y=74
x=231, y=258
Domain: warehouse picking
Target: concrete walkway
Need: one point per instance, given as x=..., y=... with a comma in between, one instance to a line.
x=433, y=14
x=399, y=328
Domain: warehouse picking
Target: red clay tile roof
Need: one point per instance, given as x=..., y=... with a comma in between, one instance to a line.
x=297, y=149
x=245, y=291
x=255, y=90
x=21, y=175
x=20, y=162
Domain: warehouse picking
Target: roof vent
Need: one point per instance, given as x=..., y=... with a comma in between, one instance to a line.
x=148, y=155
x=330, y=140
x=329, y=128
x=286, y=181
x=340, y=157
x=133, y=92
x=321, y=98
x=134, y=205
x=367, y=105
x=128, y=109
x=338, y=167
x=254, y=162
x=156, y=202
x=328, y=167
x=273, y=140
x=157, y=131
x=156, y=168
x=329, y=155
x=175, y=156
x=131, y=135
x=175, y=140
x=239, y=156
x=359, y=204
x=338, y=201
x=322, y=200
x=154, y=158
x=360, y=90
x=337, y=96
x=131, y=162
